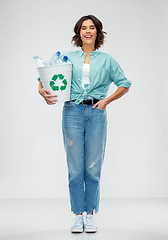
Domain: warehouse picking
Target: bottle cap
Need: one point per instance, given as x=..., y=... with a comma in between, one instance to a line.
x=65, y=58
x=58, y=53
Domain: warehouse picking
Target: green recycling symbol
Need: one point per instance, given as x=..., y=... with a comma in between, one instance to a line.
x=53, y=81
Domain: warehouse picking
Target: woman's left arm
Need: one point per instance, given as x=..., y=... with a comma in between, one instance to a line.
x=117, y=94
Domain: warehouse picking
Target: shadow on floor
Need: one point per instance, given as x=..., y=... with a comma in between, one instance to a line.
x=102, y=234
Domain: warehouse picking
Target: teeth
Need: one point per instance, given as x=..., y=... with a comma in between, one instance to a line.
x=87, y=36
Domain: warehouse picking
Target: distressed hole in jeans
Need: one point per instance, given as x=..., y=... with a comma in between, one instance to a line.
x=92, y=165
x=69, y=142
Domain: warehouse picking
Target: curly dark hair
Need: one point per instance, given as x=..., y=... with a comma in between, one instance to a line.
x=99, y=26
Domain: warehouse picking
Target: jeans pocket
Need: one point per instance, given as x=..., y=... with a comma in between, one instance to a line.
x=100, y=109
x=68, y=105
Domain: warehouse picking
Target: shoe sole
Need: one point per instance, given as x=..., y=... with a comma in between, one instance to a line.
x=90, y=230
x=77, y=230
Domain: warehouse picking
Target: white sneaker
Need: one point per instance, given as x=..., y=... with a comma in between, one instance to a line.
x=78, y=224
x=89, y=224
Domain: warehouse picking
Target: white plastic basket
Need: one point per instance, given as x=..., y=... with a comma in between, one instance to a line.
x=57, y=79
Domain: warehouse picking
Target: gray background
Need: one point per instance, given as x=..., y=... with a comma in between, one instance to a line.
x=32, y=158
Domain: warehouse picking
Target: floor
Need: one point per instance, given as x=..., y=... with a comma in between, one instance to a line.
x=51, y=219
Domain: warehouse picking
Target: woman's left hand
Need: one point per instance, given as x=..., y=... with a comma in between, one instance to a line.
x=101, y=104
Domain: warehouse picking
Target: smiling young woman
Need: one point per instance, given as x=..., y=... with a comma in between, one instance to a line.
x=84, y=118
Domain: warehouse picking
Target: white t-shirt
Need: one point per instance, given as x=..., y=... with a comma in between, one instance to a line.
x=85, y=74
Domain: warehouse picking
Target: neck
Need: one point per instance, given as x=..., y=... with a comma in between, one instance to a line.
x=88, y=49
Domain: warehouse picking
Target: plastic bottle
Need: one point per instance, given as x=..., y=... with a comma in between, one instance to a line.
x=46, y=64
x=64, y=60
x=38, y=61
x=55, y=58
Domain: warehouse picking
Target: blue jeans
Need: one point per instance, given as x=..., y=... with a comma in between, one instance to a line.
x=84, y=133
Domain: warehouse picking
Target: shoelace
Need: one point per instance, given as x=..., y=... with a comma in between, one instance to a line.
x=89, y=221
x=78, y=221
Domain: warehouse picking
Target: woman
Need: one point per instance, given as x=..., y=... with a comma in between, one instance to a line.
x=84, y=120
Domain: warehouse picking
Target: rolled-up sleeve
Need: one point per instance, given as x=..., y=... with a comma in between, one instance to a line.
x=117, y=75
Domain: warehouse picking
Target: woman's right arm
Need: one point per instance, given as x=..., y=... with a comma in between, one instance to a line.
x=46, y=94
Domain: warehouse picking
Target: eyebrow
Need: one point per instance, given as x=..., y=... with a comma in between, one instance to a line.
x=89, y=26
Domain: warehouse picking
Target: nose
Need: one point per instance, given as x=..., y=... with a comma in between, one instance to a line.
x=87, y=30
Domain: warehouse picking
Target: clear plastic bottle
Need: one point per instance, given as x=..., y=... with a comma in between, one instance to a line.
x=55, y=58
x=64, y=60
x=46, y=64
x=38, y=61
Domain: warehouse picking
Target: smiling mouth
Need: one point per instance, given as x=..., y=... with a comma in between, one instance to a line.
x=88, y=36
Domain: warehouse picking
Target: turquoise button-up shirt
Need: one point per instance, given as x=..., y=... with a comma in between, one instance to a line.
x=104, y=70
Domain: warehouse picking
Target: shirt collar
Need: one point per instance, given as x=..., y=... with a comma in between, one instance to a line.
x=93, y=53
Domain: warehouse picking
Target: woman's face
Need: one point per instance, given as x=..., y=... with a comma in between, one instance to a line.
x=88, y=32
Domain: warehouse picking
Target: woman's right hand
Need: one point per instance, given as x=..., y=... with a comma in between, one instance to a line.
x=46, y=94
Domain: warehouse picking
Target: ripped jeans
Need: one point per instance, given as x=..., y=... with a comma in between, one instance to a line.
x=84, y=134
